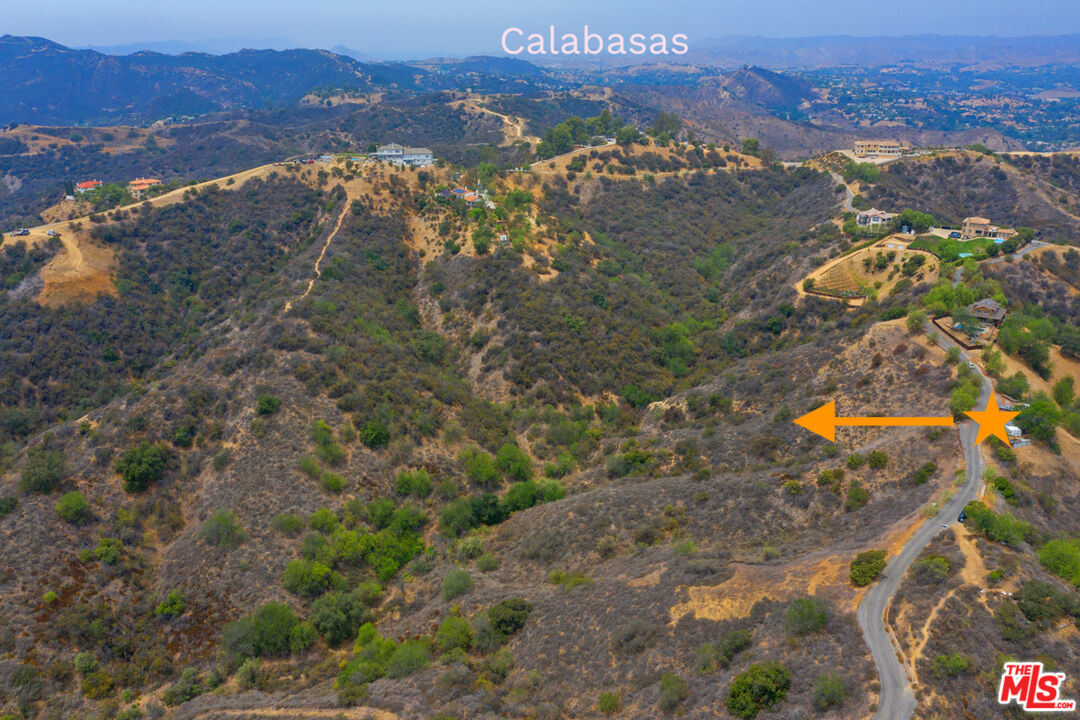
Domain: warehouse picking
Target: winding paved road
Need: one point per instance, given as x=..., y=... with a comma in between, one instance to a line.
x=897, y=700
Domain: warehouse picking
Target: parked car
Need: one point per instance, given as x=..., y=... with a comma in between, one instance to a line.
x=962, y=517
x=52, y=233
x=954, y=235
x=20, y=232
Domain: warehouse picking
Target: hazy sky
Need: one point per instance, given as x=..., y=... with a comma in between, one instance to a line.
x=429, y=27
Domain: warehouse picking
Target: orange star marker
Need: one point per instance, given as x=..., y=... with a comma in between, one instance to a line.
x=992, y=421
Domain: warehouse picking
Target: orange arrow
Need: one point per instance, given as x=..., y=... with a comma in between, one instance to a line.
x=823, y=421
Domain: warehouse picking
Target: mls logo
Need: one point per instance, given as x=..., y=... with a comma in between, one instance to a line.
x=1032, y=689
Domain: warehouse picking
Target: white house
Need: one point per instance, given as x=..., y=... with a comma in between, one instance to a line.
x=400, y=155
x=874, y=218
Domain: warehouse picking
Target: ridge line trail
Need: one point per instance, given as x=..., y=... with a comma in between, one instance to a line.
x=322, y=254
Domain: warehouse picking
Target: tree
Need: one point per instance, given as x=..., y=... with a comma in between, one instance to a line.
x=915, y=321
x=751, y=146
x=668, y=123
x=310, y=578
x=142, y=465
x=866, y=567
x=627, y=135
x=1064, y=393
x=758, y=688
x=74, y=508
x=1040, y=419
x=514, y=463
x=338, y=615
x=806, y=615
x=478, y=465
x=44, y=470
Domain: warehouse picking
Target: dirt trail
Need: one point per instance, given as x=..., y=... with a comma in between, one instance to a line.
x=322, y=254
x=363, y=713
x=512, y=130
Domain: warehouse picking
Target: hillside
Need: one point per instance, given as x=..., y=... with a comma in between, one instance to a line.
x=553, y=471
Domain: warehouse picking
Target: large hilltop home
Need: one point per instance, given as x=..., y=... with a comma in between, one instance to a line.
x=87, y=186
x=878, y=148
x=987, y=310
x=977, y=227
x=874, y=218
x=400, y=155
x=139, y=186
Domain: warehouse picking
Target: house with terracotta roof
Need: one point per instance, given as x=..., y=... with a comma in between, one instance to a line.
x=87, y=186
x=976, y=227
x=139, y=186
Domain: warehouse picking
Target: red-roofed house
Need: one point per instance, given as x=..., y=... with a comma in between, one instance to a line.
x=138, y=186
x=87, y=186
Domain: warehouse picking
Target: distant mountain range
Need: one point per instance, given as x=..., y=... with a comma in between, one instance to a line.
x=922, y=50
x=44, y=82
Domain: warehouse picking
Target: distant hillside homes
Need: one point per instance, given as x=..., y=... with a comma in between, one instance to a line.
x=399, y=155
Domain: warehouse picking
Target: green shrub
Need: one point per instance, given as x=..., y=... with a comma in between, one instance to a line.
x=453, y=634
x=172, y=606
x=932, y=569
x=806, y=615
x=8, y=505
x=513, y=463
x=866, y=567
x=310, y=578
x=923, y=474
x=288, y=524
x=568, y=580
x=855, y=461
x=413, y=482
x=455, y=584
x=877, y=459
x=49, y=597
x=223, y=530
x=408, y=657
x=829, y=691
x=759, y=687
x=478, y=465
x=857, y=496
x=332, y=453
x=43, y=471
x=338, y=615
x=487, y=562
x=301, y=637
x=324, y=520
x=85, y=663
x=332, y=482
x=374, y=434
x=673, y=691
x=1002, y=528
x=97, y=684
x=141, y=466
x=509, y=616
x=74, y=508
x=952, y=665
x=1062, y=558
x=109, y=551
x=609, y=703
x=267, y=404
x=310, y=466
x=265, y=633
